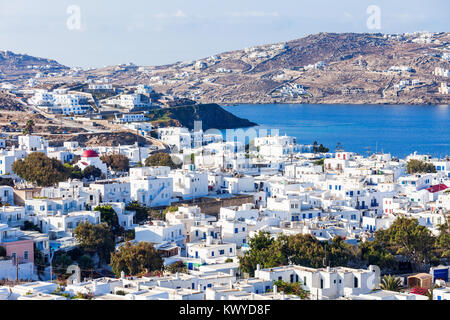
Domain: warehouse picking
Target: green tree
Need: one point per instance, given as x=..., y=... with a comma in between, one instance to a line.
x=417, y=166
x=161, y=159
x=263, y=251
x=391, y=283
x=28, y=127
x=30, y=226
x=96, y=239
x=39, y=261
x=323, y=149
x=294, y=288
x=407, y=238
x=116, y=161
x=85, y=262
x=177, y=266
x=41, y=170
x=142, y=212
x=92, y=172
x=60, y=263
x=75, y=171
x=134, y=259
x=443, y=240
x=6, y=182
x=2, y=251
x=109, y=216
x=374, y=253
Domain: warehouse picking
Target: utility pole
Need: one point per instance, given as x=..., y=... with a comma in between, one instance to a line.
x=51, y=267
x=17, y=269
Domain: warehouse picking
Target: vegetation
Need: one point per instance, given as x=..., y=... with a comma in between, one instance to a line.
x=405, y=238
x=39, y=261
x=178, y=266
x=60, y=263
x=6, y=182
x=136, y=258
x=109, y=216
x=443, y=240
x=30, y=226
x=117, y=161
x=299, y=249
x=161, y=159
x=391, y=283
x=130, y=235
x=418, y=290
x=28, y=127
x=92, y=172
x=319, y=148
x=75, y=172
x=292, y=288
x=417, y=166
x=142, y=212
x=96, y=239
x=41, y=170
x=2, y=251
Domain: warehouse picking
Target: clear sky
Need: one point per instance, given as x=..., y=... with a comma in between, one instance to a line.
x=96, y=33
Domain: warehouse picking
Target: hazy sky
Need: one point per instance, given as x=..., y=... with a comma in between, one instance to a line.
x=150, y=32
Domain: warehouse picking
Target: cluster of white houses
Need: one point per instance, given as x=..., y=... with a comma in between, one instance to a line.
x=278, y=187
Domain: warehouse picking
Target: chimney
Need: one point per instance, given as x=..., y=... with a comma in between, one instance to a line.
x=122, y=275
x=282, y=295
x=208, y=240
x=230, y=284
x=258, y=267
x=138, y=286
x=275, y=288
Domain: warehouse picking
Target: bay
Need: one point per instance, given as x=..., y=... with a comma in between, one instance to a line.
x=398, y=129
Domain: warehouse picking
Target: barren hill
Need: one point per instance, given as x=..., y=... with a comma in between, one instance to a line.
x=357, y=68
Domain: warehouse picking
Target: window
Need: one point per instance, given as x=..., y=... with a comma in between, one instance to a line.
x=25, y=255
x=236, y=230
x=321, y=283
x=355, y=282
x=221, y=251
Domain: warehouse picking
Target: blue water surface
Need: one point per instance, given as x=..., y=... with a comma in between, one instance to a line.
x=398, y=129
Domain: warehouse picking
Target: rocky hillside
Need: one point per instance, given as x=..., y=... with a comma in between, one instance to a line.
x=16, y=67
x=211, y=115
x=356, y=68
x=99, y=139
x=9, y=102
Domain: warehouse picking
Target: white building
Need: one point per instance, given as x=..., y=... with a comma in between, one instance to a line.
x=151, y=186
x=160, y=232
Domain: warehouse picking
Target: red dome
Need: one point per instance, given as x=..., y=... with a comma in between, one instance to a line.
x=90, y=154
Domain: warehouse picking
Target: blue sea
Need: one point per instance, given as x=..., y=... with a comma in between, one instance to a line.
x=398, y=129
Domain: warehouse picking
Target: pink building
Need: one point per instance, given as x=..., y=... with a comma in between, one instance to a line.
x=16, y=244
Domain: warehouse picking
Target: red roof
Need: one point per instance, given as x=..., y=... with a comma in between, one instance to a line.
x=437, y=188
x=90, y=154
